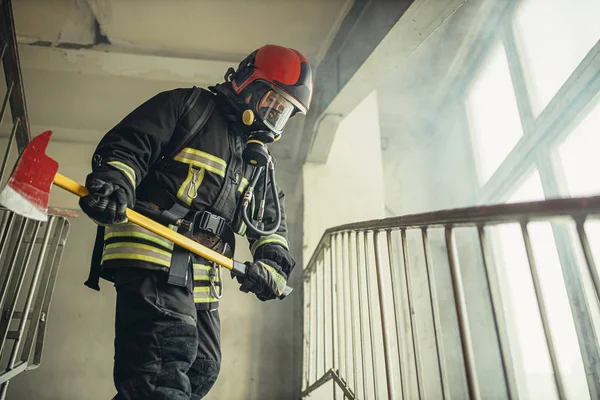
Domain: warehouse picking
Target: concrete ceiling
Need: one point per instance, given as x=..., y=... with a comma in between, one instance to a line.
x=92, y=61
x=223, y=29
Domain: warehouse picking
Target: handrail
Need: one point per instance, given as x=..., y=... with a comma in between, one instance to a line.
x=446, y=326
x=471, y=216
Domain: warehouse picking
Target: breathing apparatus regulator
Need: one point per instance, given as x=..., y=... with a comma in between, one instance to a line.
x=269, y=87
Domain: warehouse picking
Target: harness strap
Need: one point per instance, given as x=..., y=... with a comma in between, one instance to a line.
x=180, y=259
x=93, y=280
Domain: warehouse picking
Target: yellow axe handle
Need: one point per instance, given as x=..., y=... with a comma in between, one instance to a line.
x=145, y=222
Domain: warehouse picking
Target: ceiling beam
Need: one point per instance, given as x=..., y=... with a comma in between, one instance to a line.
x=366, y=24
x=387, y=33
x=140, y=66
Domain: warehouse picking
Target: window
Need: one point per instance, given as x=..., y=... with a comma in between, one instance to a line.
x=539, y=47
x=578, y=157
x=493, y=114
x=553, y=37
x=531, y=190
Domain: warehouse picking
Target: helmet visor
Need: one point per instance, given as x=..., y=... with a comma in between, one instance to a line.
x=275, y=110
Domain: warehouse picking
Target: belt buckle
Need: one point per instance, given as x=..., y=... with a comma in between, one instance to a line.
x=208, y=222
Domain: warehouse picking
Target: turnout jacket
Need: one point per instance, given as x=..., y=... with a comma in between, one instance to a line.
x=208, y=174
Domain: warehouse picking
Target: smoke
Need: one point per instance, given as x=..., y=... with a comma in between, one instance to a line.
x=427, y=157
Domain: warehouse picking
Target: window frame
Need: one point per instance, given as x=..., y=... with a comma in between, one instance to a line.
x=537, y=148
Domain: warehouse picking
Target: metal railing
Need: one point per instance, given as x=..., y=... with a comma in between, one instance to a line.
x=417, y=307
x=30, y=256
x=30, y=251
x=15, y=94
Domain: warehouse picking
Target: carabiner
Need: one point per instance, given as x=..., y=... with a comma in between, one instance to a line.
x=213, y=286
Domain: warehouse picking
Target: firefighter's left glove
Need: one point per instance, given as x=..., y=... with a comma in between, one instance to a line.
x=262, y=279
x=106, y=202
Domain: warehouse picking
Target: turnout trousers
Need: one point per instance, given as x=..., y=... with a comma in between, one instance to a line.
x=164, y=347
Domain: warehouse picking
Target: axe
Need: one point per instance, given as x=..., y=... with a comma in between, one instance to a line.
x=28, y=191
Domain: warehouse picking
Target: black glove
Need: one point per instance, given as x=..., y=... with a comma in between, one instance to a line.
x=106, y=203
x=262, y=279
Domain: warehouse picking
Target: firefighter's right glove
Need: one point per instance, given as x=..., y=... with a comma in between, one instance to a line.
x=262, y=279
x=106, y=202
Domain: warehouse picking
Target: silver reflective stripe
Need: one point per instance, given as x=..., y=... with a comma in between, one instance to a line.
x=203, y=160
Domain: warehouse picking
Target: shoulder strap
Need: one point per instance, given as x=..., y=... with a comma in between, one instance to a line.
x=206, y=100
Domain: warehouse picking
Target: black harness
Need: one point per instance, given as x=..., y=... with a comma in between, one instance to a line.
x=188, y=223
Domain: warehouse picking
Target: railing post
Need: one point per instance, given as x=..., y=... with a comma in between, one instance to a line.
x=307, y=331
x=369, y=311
x=317, y=320
x=411, y=305
x=435, y=311
x=42, y=292
x=382, y=309
x=352, y=313
x=344, y=313
x=360, y=318
x=499, y=318
x=543, y=311
x=463, y=319
x=334, y=352
x=41, y=334
x=589, y=257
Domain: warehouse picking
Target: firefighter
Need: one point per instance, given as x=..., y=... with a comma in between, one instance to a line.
x=186, y=158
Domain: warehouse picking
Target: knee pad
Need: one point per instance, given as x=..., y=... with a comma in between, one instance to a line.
x=203, y=375
x=179, y=344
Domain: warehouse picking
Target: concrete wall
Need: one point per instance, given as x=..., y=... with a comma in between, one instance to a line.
x=349, y=187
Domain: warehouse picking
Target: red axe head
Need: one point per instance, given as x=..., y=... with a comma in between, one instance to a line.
x=28, y=189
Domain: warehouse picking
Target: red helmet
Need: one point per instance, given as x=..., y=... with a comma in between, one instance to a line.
x=273, y=73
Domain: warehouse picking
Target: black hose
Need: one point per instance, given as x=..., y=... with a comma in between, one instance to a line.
x=249, y=196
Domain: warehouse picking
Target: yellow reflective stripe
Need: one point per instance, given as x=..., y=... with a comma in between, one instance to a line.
x=205, y=278
x=269, y=239
x=202, y=267
x=243, y=185
x=139, y=257
x=139, y=235
x=205, y=300
x=202, y=289
x=184, y=190
x=202, y=160
x=138, y=246
x=279, y=280
x=126, y=169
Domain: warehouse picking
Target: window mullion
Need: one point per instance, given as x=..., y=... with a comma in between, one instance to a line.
x=518, y=78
